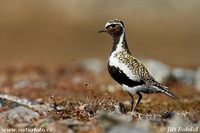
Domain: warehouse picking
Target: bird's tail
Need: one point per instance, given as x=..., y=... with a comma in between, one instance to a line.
x=167, y=92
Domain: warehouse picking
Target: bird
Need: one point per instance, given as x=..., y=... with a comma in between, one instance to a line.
x=127, y=70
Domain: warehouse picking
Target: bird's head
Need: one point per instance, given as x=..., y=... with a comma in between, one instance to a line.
x=114, y=27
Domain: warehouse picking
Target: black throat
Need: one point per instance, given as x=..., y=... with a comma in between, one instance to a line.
x=116, y=40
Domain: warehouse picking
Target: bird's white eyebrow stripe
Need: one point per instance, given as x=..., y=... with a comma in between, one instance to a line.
x=109, y=23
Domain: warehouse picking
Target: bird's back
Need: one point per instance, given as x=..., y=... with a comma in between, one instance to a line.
x=127, y=65
x=131, y=66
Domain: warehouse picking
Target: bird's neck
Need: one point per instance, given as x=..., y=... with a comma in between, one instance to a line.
x=120, y=44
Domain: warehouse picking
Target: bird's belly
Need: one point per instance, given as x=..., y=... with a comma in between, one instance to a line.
x=131, y=90
x=140, y=88
x=135, y=89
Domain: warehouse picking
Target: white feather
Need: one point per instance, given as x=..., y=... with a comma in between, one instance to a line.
x=109, y=23
x=141, y=88
x=114, y=61
x=131, y=90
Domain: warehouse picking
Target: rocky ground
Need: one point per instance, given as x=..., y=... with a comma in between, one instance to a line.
x=82, y=98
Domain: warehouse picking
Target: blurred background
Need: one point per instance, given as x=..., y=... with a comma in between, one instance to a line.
x=62, y=31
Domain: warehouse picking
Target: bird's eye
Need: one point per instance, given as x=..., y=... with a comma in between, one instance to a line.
x=112, y=26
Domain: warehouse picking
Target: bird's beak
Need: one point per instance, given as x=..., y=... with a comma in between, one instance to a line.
x=103, y=30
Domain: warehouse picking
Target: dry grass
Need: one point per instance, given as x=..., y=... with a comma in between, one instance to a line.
x=76, y=93
x=84, y=109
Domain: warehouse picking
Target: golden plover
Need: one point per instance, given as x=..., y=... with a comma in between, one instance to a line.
x=129, y=72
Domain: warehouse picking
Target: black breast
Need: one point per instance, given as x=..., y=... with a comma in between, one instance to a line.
x=122, y=78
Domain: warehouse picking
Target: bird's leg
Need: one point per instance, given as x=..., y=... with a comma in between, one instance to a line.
x=122, y=108
x=132, y=100
x=139, y=99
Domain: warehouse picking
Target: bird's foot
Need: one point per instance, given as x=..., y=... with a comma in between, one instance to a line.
x=136, y=114
x=135, y=110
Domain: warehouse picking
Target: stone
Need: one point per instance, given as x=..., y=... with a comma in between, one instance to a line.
x=14, y=100
x=42, y=109
x=197, y=79
x=186, y=76
x=94, y=65
x=159, y=70
x=108, y=120
x=180, y=123
x=3, y=79
x=21, y=114
x=40, y=84
x=141, y=126
x=127, y=129
x=74, y=125
x=22, y=84
x=4, y=102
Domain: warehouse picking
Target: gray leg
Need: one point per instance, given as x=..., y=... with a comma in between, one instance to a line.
x=132, y=100
x=139, y=99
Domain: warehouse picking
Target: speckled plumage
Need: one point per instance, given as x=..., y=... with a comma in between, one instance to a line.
x=133, y=64
x=126, y=69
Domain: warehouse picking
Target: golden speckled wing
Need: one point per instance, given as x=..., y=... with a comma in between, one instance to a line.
x=136, y=66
